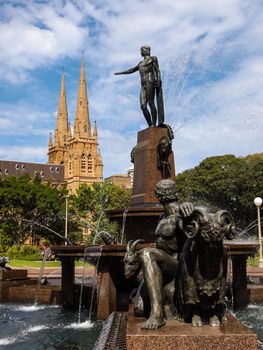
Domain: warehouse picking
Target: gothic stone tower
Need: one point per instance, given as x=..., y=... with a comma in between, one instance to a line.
x=78, y=152
x=57, y=151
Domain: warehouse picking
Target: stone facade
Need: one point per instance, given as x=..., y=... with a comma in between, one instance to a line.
x=78, y=151
x=121, y=180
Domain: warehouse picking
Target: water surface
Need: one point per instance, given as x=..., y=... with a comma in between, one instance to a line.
x=25, y=327
x=252, y=317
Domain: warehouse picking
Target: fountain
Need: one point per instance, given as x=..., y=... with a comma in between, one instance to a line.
x=153, y=163
x=180, y=261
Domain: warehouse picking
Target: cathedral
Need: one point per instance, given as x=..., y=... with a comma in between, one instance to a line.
x=77, y=149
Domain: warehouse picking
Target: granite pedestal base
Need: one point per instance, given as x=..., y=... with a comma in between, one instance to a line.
x=175, y=335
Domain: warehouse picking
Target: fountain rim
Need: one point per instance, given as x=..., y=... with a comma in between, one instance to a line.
x=234, y=247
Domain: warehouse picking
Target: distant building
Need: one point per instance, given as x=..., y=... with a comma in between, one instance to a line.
x=121, y=180
x=73, y=157
x=47, y=172
x=130, y=172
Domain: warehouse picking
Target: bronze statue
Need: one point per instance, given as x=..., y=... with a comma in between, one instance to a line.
x=159, y=264
x=164, y=150
x=151, y=86
x=185, y=275
x=201, y=275
x=3, y=261
x=133, y=268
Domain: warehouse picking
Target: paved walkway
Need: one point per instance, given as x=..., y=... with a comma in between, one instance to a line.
x=255, y=271
x=55, y=272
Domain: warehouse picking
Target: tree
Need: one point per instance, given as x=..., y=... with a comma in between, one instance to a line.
x=225, y=182
x=93, y=201
x=27, y=204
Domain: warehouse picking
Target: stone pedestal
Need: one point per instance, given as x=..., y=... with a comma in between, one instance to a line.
x=146, y=172
x=141, y=222
x=143, y=214
x=175, y=335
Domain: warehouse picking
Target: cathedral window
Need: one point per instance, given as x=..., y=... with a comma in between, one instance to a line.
x=83, y=163
x=85, y=128
x=89, y=164
x=70, y=165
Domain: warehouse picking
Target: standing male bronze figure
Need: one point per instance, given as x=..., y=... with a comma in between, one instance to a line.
x=151, y=86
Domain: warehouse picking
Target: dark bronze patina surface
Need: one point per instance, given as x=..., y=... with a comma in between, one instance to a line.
x=151, y=86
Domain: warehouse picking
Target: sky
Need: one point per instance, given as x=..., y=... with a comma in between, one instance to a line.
x=211, y=60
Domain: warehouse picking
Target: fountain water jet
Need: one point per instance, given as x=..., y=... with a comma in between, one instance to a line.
x=49, y=229
x=45, y=256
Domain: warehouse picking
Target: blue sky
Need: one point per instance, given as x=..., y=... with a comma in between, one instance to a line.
x=210, y=56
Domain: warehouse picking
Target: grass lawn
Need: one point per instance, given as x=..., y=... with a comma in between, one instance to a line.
x=37, y=264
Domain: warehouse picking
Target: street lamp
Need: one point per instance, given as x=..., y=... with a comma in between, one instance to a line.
x=66, y=220
x=258, y=202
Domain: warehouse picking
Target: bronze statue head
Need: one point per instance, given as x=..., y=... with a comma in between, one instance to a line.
x=165, y=191
x=145, y=50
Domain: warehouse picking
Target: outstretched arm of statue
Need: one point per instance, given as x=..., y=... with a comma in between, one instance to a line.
x=128, y=71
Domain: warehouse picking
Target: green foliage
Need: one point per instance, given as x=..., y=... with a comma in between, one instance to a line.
x=23, y=201
x=92, y=202
x=24, y=252
x=225, y=182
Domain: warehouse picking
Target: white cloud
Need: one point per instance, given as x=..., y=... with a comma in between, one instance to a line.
x=30, y=154
x=23, y=120
x=36, y=34
x=115, y=149
x=210, y=54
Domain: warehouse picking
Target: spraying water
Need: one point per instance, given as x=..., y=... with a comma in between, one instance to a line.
x=95, y=284
x=45, y=256
x=97, y=228
x=82, y=283
x=49, y=229
x=124, y=217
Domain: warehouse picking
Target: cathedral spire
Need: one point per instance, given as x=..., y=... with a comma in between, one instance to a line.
x=95, y=131
x=50, y=142
x=82, y=121
x=62, y=116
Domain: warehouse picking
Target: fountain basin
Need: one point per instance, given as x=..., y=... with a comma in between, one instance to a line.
x=14, y=274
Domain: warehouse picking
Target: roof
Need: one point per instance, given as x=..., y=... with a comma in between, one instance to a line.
x=53, y=172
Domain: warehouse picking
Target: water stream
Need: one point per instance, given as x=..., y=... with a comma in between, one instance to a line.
x=124, y=217
x=48, y=229
x=84, y=270
x=40, y=276
x=95, y=285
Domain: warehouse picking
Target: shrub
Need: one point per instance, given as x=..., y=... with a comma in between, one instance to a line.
x=24, y=252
